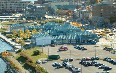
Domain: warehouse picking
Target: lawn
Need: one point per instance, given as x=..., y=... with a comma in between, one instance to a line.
x=29, y=53
x=7, y=23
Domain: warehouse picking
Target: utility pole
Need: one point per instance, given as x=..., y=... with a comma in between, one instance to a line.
x=70, y=53
x=42, y=48
x=48, y=51
x=81, y=68
x=95, y=50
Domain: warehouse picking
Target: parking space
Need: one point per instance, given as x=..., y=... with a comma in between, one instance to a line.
x=76, y=55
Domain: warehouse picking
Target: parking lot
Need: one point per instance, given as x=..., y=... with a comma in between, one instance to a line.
x=76, y=55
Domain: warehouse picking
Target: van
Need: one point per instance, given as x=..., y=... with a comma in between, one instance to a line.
x=54, y=57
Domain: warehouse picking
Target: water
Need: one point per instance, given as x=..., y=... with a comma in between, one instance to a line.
x=3, y=47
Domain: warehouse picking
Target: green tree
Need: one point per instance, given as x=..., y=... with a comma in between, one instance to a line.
x=34, y=31
x=27, y=33
x=14, y=32
x=21, y=34
x=36, y=52
x=22, y=42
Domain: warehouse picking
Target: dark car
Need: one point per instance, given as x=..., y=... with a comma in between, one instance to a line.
x=93, y=63
x=82, y=61
x=114, y=62
x=83, y=48
x=86, y=64
x=102, y=66
x=68, y=60
x=105, y=59
x=108, y=49
x=107, y=68
x=95, y=58
x=64, y=64
x=77, y=46
x=98, y=64
x=57, y=65
x=52, y=45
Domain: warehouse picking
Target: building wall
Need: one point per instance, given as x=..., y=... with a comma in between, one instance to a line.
x=39, y=2
x=104, y=10
x=36, y=11
x=53, y=5
x=11, y=6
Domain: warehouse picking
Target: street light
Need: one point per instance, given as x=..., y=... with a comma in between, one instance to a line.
x=70, y=53
x=95, y=50
x=81, y=68
x=48, y=51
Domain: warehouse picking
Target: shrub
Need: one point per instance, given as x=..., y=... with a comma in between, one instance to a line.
x=36, y=52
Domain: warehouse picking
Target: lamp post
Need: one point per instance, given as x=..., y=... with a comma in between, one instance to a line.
x=81, y=68
x=95, y=50
x=42, y=47
x=48, y=51
x=70, y=53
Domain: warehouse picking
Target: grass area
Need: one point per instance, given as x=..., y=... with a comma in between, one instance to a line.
x=2, y=30
x=8, y=23
x=28, y=60
x=29, y=53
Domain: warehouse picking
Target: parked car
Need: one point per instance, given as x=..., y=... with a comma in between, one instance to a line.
x=76, y=70
x=44, y=61
x=57, y=65
x=68, y=60
x=102, y=66
x=68, y=65
x=93, y=63
x=63, y=48
x=114, y=62
x=98, y=64
x=64, y=64
x=54, y=57
x=107, y=68
x=79, y=47
x=105, y=59
x=52, y=45
x=39, y=61
x=108, y=49
x=95, y=58
x=83, y=48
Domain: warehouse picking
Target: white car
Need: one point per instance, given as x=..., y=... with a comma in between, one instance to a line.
x=39, y=61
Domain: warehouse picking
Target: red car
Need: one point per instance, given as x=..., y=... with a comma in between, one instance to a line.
x=63, y=48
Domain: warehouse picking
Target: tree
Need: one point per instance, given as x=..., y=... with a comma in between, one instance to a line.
x=14, y=32
x=34, y=31
x=21, y=34
x=22, y=42
x=36, y=52
x=27, y=33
